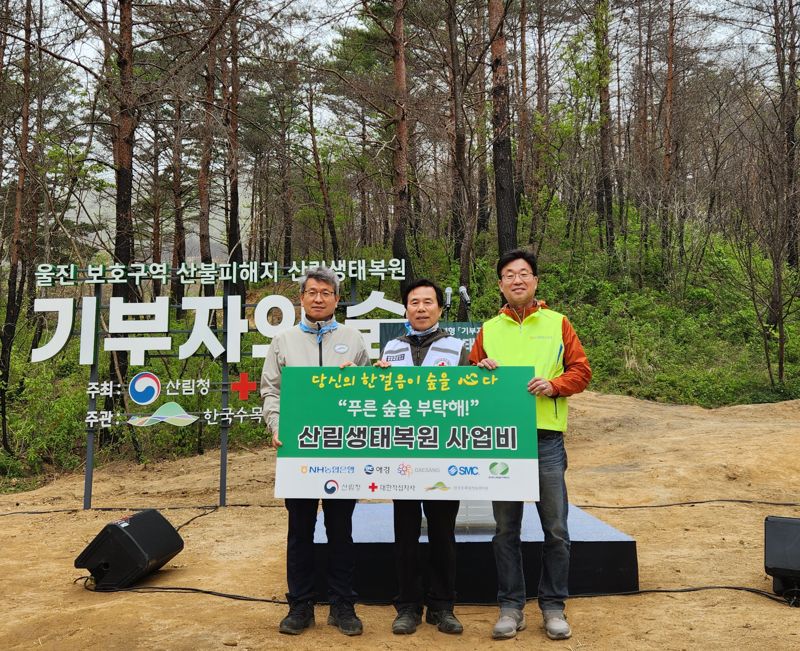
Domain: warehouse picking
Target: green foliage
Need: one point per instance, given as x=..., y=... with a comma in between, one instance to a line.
x=69, y=163
x=47, y=408
x=582, y=78
x=694, y=344
x=362, y=49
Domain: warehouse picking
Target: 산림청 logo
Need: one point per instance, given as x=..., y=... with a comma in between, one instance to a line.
x=144, y=388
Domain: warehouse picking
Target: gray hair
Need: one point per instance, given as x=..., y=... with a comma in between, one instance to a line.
x=323, y=274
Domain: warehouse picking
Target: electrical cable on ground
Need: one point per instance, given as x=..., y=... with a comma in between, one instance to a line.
x=790, y=597
x=88, y=584
x=212, y=507
x=793, y=600
x=199, y=515
x=689, y=503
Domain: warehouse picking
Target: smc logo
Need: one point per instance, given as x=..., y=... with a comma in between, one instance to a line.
x=462, y=470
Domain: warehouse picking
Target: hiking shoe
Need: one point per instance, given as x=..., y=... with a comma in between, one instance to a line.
x=510, y=621
x=556, y=625
x=300, y=617
x=344, y=617
x=445, y=621
x=406, y=621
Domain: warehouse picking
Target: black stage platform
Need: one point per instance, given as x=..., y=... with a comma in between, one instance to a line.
x=603, y=560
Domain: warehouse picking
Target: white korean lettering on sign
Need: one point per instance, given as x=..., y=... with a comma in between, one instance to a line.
x=209, y=273
x=120, y=322
x=153, y=318
x=201, y=334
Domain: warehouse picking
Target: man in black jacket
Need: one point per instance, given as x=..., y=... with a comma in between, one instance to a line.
x=425, y=345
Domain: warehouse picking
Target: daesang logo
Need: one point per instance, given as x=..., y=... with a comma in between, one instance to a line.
x=331, y=486
x=405, y=469
x=462, y=471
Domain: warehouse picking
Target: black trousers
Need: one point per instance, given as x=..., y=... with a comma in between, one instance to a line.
x=441, y=565
x=300, y=566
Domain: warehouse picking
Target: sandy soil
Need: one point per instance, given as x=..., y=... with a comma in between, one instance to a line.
x=622, y=452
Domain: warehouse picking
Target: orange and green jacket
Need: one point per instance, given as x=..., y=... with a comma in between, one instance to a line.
x=546, y=340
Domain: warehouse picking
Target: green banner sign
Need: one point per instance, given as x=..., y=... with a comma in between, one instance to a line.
x=464, y=423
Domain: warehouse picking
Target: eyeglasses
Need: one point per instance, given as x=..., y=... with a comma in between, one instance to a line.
x=313, y=293
x=509, y=276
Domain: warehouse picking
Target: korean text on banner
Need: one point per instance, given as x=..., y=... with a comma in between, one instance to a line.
x=457, y=433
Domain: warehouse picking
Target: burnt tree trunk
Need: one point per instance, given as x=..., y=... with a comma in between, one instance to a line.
x=501, y=148
x=400, y=151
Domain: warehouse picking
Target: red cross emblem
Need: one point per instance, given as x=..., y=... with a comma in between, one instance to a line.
x=243, y=386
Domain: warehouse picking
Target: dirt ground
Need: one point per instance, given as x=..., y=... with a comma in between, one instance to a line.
x=622, y=451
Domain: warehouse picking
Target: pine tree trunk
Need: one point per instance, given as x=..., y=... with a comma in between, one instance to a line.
x=235, y=252
x=330, y=223
x=484, y=210
x=204, y=175
x=605, y=208
x=523, y=134
x=501, y=148
x=400, y=151
x=16, y=271
x=362, y=183
x=459, y=176
x=155, y=194
x=179, y=237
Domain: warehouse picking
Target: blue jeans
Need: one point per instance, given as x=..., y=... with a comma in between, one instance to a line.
x=552, y=506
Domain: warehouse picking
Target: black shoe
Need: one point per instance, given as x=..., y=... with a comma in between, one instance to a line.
x=344, y=617
x=406, y=621
x=300, y=617
x=445, y=621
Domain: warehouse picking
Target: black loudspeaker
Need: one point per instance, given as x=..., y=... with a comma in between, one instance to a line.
x=782, y=553
x=130, y=548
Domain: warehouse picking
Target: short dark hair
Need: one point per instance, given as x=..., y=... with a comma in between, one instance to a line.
x=517, y=254
x=423, y=282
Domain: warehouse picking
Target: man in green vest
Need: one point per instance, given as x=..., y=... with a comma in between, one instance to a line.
x=527, y=333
